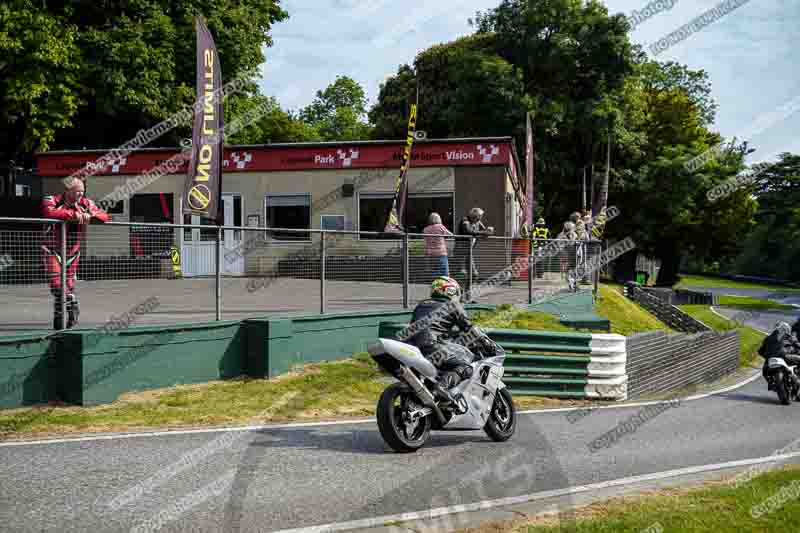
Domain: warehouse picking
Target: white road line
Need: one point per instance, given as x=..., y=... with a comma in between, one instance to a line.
x=340, y=422
x=516, y=500
x=643, y=404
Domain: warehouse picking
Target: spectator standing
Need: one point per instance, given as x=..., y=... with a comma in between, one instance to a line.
x=436, y=245
x=471, y=225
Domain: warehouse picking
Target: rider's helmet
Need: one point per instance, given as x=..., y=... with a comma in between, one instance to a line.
x=445, y=287
x=783, y=329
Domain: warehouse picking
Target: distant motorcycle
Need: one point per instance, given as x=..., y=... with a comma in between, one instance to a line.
x=407, y=411
x=782, y=378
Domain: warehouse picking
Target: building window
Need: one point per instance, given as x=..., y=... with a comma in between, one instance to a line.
x=151, y=241
x=117, y=209
x=332, y=222
x=373, y=210
x=290, y=211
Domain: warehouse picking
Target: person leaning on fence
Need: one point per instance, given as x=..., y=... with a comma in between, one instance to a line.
x=436, y=247
x=472, y=225
x=71, y=206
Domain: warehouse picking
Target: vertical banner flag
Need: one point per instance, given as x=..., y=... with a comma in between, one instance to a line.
x=529, y=173
x=204, y=176
x=396, y=215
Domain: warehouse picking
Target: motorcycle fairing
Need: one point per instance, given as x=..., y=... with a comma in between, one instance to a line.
x=479, y=396
x=407, y=354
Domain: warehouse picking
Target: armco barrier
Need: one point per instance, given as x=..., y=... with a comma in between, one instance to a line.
x=561, y=365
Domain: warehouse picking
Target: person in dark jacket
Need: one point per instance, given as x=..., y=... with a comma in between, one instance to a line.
x=432, y=331
x=471, y=225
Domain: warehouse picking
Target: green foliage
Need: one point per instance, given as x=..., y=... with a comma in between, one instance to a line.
x=338, y=112
x=91, y=74
x=773, y=248
x=40, y=76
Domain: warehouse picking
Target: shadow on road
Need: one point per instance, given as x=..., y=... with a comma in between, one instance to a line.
x=741, y=397
x=354, y=441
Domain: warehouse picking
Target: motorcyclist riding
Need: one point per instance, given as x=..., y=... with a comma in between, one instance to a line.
x=781, y=343
x=432, y=331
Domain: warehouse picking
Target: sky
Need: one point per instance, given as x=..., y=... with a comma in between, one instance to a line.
x=750, y=53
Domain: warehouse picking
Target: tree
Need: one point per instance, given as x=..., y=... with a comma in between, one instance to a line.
x=92, y=74
x=773, y=248
x=39, y=78
x=339, y=111
x=261, y=120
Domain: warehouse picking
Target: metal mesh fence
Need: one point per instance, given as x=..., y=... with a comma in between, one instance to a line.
x=261, y=271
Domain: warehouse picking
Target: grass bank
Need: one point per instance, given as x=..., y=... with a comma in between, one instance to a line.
x=711, y=282
x=626, y=317
x=768, y=503
x=749, y=339
x=753, y=304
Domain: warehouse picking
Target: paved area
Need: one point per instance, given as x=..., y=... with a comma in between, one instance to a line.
x=297, y=477
x=28, y=308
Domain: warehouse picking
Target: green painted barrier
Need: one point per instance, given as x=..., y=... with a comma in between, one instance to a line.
x=28, y=369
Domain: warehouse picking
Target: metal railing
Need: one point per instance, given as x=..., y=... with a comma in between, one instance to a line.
x=201, y=273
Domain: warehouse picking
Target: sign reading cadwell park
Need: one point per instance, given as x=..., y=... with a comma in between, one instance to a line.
x=203, y=178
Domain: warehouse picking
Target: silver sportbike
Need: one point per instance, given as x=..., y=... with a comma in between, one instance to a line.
x=408, y=410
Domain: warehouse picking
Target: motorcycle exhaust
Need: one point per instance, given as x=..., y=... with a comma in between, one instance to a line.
x=423, y=393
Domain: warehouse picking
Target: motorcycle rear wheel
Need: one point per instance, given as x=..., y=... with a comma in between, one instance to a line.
x=502, y=421
x=391, y=424
x=780, y=387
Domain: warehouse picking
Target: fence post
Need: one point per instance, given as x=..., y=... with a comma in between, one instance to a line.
x=322, y=273
x=405, y=270
x=63, y=251
x=470, y=259
x=218, y=275
x=531, y=272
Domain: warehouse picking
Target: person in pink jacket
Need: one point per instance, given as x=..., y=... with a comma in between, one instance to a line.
x=436, y=247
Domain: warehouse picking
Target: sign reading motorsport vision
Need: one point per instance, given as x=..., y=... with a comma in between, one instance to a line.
x=204, y=175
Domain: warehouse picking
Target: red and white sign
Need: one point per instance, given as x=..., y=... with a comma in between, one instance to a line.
x=270, y=159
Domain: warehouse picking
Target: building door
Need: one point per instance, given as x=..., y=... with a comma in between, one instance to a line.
x=198, y=247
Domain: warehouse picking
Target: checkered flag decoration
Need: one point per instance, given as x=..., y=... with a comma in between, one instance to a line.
x=240, y=159
x=347, y=160
x=116, y=164
x=488, y=154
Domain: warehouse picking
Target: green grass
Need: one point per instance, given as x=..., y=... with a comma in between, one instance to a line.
x=753, y=304
x=703, y=281
x=713, y=508
x=625, y=315
x=749, y=339
x=317, y=391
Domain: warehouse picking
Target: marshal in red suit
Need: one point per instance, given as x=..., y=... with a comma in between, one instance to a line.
x=74, y=207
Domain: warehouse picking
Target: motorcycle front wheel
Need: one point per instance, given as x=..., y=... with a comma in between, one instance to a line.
x=502, y=421
x=780, y=387
x=394, y=406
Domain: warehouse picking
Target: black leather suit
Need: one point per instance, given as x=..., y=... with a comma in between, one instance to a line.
x=431, y=329
x=784, y=346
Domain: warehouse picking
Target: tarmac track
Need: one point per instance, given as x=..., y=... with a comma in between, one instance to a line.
x=292, y=477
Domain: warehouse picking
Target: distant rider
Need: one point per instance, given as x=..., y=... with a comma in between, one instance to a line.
x=432, y=324
x=783, y=344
